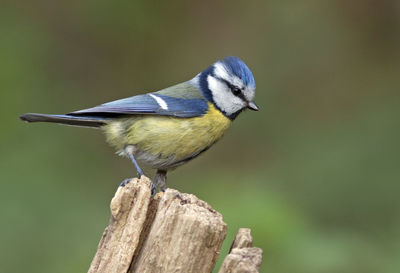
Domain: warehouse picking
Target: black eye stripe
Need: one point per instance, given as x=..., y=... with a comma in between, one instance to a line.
x=241, y=96
x=235, y=90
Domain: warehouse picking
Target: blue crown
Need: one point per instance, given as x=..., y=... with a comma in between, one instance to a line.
x=238, y=68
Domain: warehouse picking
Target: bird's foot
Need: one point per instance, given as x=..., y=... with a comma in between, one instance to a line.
x=153, y=189
x=125, y=182
x=160, y=180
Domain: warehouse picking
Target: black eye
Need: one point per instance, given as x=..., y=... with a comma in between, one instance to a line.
x=235, y=90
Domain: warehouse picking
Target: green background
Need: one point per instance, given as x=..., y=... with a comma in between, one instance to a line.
x=315, y=173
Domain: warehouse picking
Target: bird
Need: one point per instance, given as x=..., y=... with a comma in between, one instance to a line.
x=165, y=129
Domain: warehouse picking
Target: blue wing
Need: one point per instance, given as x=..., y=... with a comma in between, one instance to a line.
x=152, y=103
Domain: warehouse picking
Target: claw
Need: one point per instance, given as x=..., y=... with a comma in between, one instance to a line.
x=161, y=179
x=125, y=182
x=153, y=189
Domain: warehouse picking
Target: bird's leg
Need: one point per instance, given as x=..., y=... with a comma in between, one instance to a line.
x=161, y=179
x=138, y=169
x=129, y=149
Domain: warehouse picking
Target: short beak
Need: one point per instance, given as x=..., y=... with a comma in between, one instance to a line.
x=252, y=106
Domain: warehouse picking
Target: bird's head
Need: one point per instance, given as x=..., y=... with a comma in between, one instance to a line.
x=229, y=85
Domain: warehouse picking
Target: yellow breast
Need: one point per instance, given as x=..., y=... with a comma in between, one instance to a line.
x=179, y=136
x=169, y=138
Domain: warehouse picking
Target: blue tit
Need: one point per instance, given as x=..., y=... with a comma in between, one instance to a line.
x=165, y=129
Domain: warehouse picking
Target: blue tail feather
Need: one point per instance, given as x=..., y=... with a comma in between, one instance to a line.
x=88, y=121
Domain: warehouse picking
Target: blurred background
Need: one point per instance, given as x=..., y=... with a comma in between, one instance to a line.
x=315, y=173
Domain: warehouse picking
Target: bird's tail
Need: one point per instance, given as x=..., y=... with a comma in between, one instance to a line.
x=85, y=121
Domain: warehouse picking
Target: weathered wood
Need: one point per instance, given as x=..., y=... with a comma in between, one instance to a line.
x=242, y=258
x=119, y=241
x=172, y=232
x=186, y=236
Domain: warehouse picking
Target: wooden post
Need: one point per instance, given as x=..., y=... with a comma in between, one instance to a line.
x=172, y=232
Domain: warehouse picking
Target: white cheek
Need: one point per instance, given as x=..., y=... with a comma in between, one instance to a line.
x=223, y=96
x=216, y=86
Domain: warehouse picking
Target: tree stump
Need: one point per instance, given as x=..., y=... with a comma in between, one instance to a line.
x=172, y=232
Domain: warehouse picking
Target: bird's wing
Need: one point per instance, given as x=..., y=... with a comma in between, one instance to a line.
x=164, y=102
